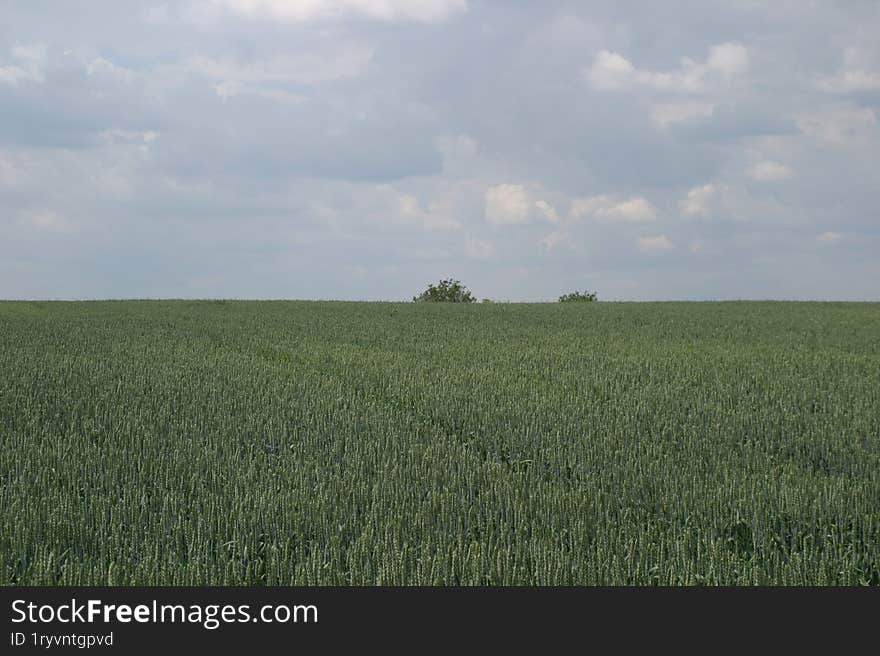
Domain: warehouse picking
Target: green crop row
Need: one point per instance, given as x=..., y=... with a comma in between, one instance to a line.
x=177, y=442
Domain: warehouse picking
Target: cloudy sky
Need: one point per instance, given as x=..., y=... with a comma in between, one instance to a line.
x=359, y=149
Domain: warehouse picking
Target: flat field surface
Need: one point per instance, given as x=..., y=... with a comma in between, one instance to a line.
x=222, y=442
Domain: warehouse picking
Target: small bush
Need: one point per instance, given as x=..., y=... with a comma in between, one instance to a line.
x=578, y=297
x=446, y=291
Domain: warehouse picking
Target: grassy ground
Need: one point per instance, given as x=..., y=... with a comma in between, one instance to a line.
x=359, y=443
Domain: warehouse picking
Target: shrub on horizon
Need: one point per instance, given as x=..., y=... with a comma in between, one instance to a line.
x=446, y=291
x=578, y=297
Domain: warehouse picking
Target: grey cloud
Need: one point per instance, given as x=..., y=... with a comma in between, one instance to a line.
x=194, y=152
x=734, y=120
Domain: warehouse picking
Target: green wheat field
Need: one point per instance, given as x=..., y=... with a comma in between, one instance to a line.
x=227, y=442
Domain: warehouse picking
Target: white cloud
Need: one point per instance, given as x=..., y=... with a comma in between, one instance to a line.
x=436, y=217
x=234, y=77
x=117, y=135
x=460, y=154
x=478, y=248
x=852, y=76
x=301, y=11
x=840, y=125
x=101, y=68
x=585, y=207
x=608, y=209
x=550, y=241
x=767, y=171
x=666, y=113
x=829, y=237
x=47, y=221
x=611, y=70
x=28, y=65
x=697, y=202
x=385, y=204
x=460, y=146
x=728, y=59
x=507, y=204
x=634, y=210
x=547, y=211
x=705, y=247
x=847, y=81
x=231, y=89
x=658, y=244
x=8, y=172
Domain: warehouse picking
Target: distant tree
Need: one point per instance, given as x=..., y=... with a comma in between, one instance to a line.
x=446, y=291
x=578, y=297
